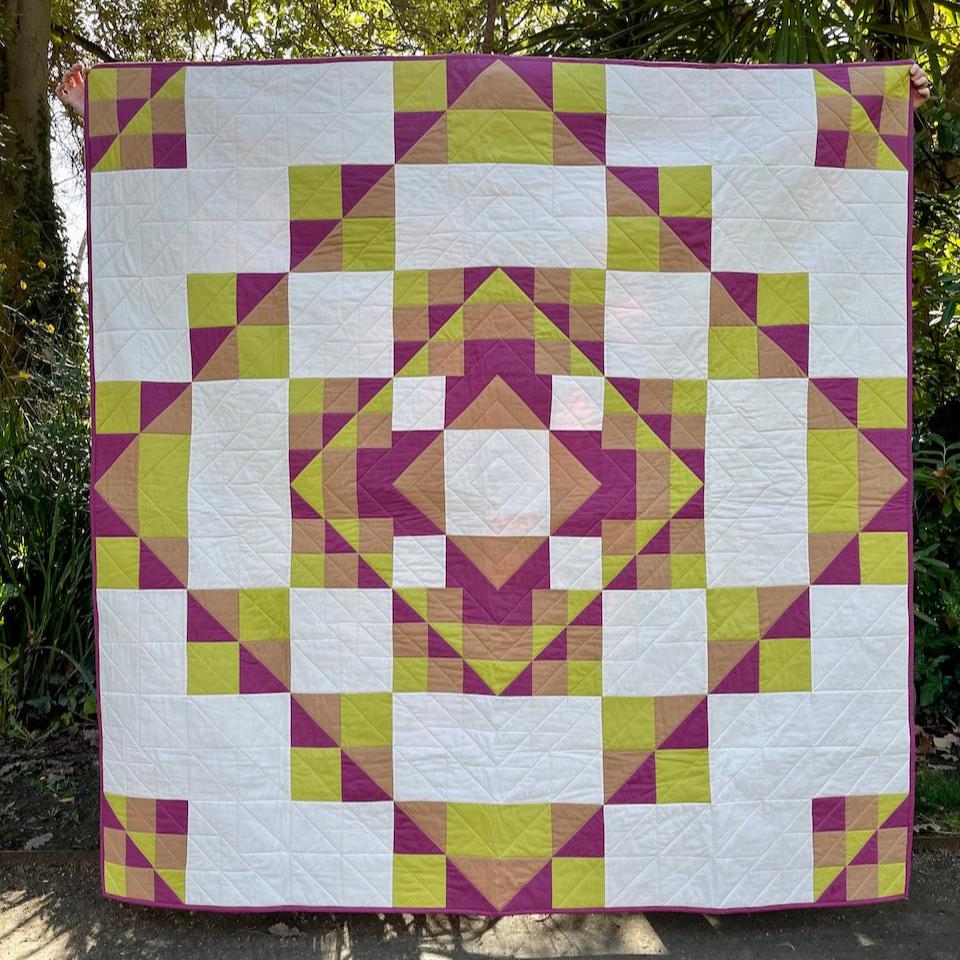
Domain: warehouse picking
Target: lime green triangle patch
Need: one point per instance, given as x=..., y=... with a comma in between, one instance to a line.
x=309, y=483
x=498, y=674
x=498, y=288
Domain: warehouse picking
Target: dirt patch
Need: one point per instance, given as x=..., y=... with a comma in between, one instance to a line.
x=49, y=911
x=48, y=793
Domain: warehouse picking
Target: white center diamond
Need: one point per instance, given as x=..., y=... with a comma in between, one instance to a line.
x=497, y=482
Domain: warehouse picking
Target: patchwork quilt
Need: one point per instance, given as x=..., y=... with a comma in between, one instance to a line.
x=500, y=483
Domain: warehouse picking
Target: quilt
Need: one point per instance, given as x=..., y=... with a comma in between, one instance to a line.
x=501, y=483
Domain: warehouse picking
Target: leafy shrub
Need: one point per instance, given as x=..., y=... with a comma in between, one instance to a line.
x=46, y=621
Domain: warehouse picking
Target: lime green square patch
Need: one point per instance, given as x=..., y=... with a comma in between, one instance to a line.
x=419, y=880
x=784, y=665
x=884, y=558
x=368, y=244
x=118, y=406
x=584, y=678
x=588, y=286
x=499, y=830
x=366, y=720
x=306, y=395
x=265, y=614
x=628, y=723
x=212, y=299
x=833, y=481
x=685, y=192
x=410, y=674
x=263, y=353
x=733, y=353
x=500, y=136
x=306, y=570
x=689, y=396
x=473, y=830
x=633, y=243
x=733, y=613
x=896, y=82
x=688, y=571
x=419, y=85
x=882, y=402
x=578, y=882
x=683, y=776
x=411, y=288
x=579, y=87
x=783, y=298
x=102, y=83
x=115, y=874
x=315, y=192
x=164, y=470
x=891, y=879
x=213, y=668
x=118, y=563
x=315, y=773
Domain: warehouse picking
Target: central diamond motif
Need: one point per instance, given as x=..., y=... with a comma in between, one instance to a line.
x=497, y=482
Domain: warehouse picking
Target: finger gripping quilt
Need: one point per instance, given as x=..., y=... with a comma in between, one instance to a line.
x=500, y=483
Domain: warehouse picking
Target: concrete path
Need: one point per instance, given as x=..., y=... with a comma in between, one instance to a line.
x=50, y=908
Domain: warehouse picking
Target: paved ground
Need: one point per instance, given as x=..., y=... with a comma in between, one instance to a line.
x=50, y=908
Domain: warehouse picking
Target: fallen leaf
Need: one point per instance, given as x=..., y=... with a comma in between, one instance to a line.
x=282, y=931
x=34, y=843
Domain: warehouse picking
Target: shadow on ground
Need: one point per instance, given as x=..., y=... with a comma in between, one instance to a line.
x=50, y=908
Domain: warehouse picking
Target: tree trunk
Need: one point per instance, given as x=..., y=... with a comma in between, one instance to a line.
x=30, y=222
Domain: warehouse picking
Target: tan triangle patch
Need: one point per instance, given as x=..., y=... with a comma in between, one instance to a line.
x=623, y=202
x=326, y=256
x=119, y=483
x=773, y=361
x=567, y=149
x=498, y=558
x=499, y=88
x=498, y=321
x=723, y=656
x=324, y=710
x=431, y=817
x=173, y=553
x=177, y=418
x=224, y=363
x=822, y=414
x=431, y=147
x=223, y=606
x=497, y=407
x=618, y=767
x=879, y=480
x=274, y=655
x=422, y=483
x=496, y=641
x=724, y=310
x=376, y=763
x=378, y=201
x=670, y=712
x=567, y=819
x=824, y=548
x=272, y=310
x=571, y=484
x=499, y=880
x=774, y=602
x=675, y=255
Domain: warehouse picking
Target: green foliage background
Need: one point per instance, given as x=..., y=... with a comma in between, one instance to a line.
x=46, y=649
